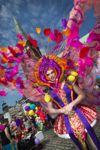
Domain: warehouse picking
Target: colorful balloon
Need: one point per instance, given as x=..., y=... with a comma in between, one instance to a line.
x=27, y=108
x=37, y=141
x=31, y=113
x=32, y=106
x=36, y=109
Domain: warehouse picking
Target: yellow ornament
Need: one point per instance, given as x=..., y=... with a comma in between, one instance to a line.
x=71, y=78
x=74, y=73
x=47, y=98
x=31, y=113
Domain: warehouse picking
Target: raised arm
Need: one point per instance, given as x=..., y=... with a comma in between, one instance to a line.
x=80, y=93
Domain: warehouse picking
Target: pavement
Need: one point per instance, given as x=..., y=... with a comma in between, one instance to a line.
x=53, y=142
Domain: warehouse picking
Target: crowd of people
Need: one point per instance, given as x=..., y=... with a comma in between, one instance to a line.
x=11, y=133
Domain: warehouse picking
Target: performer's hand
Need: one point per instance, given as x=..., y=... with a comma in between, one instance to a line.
x=62, y=110
x=68, y=108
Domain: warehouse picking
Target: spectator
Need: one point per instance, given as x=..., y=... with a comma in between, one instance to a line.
x=34, y=122
x=6, y=139
x=27, y=124
x=13, y=127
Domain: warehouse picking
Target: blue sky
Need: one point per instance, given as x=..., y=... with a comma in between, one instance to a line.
x=32, y=14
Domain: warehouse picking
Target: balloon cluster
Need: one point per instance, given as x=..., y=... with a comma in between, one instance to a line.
x=30, y=109
x=33, y=110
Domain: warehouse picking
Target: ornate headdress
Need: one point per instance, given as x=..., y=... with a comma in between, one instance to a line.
x=49, y=62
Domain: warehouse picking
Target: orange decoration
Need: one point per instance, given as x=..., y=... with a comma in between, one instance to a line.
x=4, y=49
x=23, y=43
x=2, y=73
x=4, y=60
x=38, y=30
x=66, y=32
x=14, y=82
